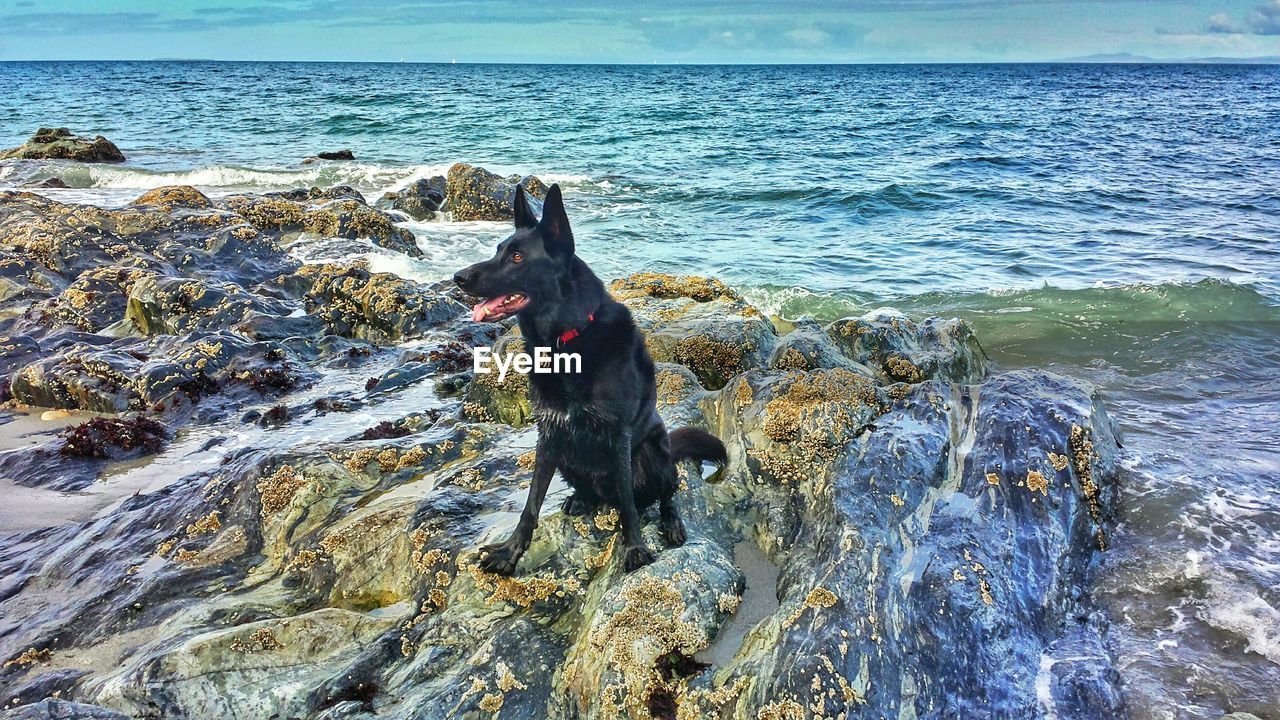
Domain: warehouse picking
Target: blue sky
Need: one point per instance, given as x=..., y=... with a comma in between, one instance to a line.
x=695, y=31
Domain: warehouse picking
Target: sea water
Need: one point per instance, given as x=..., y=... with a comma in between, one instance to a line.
x=1119, y=223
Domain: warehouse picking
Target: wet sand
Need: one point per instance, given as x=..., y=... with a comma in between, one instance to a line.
x=759, y=601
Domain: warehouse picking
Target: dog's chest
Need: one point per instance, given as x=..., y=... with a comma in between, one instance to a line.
x=579, y=437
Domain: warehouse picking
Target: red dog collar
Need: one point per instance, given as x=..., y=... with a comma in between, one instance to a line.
x=572, y=333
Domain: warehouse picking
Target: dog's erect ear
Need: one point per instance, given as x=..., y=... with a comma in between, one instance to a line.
x=525, y=217
x=554, y=225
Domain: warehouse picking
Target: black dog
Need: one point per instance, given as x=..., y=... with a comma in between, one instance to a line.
x=599, y=428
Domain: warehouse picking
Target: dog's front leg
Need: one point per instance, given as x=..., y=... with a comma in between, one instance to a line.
x=501, y=558
x=635, y=554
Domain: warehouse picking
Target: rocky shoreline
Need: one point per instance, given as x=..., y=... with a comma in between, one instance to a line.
x=932, y=521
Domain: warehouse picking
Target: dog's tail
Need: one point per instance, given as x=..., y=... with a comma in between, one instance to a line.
x=698, y=444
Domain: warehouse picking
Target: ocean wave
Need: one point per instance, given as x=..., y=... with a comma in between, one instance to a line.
x=1208, y=300
x=793, y=303
x=980, y=163
x=232, y=176
x=370, y=178
x=891, y=197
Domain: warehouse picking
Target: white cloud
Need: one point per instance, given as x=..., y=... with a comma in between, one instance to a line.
x=1222, y=23
x=1265, y=19
x=809, y=36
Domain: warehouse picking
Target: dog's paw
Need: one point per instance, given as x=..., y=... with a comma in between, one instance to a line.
x=574, y=505
x=500, y=559
x=636, y=557
x=672, y=529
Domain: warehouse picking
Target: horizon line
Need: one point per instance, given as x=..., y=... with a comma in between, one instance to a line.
x=1106, y=59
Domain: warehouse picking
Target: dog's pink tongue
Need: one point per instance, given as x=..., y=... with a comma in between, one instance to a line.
x=482, y=309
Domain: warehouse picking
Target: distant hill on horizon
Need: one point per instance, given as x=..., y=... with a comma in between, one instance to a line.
x=1125, y=57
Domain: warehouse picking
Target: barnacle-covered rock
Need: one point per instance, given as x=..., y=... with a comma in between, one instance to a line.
x=354, y=302
x=314, y=194
x=900, y=350
x=173, y=197
x=65, y=240
x=60, y=144
x=505, y=400
x=700, y=323
x=176, y=306
x=94, y=301
x=81, y=377
x=476, y=194
x=347, y=217
x=808, y=347
x=907, y=536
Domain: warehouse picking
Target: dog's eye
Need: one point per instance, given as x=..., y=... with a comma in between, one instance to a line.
x=517, y=258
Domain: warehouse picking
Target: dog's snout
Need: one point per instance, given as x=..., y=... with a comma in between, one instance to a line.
x=464, y=277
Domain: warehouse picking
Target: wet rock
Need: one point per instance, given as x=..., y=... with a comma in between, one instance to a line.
x=269, y=326
x=168, y=372
x=60, y=144
x=808, y=347
x=379, y=307
x=174, y=197
x=314, y=194
x=697, y=322
x=900, y=350
x=94, y=301
x=81, y=377
x=507, y=400
x=15, y=351
x=420, y=200
x=477, y=194
x=174, y=306
x=63, y=240
x=50, y=183
x=969, y=514
x=933, y=533
x=22, y=279
x=336, y=155
x=345, y=218
x=51, y=709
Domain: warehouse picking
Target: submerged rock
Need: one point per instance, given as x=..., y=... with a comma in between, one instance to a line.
x=55, y=183
x=477, y=194
x=60, y=144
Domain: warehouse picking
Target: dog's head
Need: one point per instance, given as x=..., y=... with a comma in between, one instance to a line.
x=528, y=265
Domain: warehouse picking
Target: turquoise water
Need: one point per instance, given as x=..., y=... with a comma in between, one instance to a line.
x=1119, y=223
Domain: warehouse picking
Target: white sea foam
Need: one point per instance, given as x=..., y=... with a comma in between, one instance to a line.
x=446, y=248
x=1236, y=609
x=360, y=175
x=790, y=303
